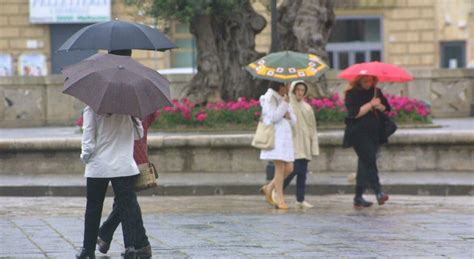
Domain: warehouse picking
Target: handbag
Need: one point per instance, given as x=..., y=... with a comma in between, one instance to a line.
x=264, y=137
x=389, y=126
x=147, y=177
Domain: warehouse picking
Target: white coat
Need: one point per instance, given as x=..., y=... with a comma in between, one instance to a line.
x=273, y=112
x=107, y=144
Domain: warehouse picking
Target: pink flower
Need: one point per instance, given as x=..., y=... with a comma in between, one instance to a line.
x=201, y=116
x=257, y=114
x=169, y=109
x=392, y=114
x=421, y=111
x=186, y=115
x=317, y=103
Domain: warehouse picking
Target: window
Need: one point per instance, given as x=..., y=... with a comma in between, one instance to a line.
x=355, y=40
x=453, y=54
x=185, y=54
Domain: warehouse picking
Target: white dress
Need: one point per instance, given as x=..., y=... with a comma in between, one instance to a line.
x=273, y=111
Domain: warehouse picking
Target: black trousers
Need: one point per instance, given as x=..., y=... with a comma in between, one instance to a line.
x=366, y=148
x=126, y=205
x=106, y=231
x=300, y=170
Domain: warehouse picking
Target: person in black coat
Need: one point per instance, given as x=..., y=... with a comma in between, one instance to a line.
x=364, y=132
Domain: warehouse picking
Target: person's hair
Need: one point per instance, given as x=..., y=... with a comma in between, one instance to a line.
x=301, y=83
x=121, y=52
x=275, y=85
x=356, y=84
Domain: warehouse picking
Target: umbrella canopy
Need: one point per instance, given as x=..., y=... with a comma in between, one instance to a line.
x=287, y=66
x=117, y=84
x=117, y=35
x=383, y=71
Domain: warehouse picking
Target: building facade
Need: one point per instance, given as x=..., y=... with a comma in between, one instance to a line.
x=410, y=33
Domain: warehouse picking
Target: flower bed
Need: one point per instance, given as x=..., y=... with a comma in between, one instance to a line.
x=244, y=114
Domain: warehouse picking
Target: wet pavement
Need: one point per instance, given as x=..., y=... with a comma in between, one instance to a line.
x=244, y=227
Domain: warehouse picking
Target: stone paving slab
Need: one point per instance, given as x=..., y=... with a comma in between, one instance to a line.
x=424, y=183
x=245, y=227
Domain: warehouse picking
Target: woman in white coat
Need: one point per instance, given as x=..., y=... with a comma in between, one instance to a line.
x=107, y=151
x=276, y=110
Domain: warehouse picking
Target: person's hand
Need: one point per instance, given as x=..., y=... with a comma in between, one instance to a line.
x=85, y=157
x=380, y=107
x=287, y=116
x=286, y=98
x=375, y=102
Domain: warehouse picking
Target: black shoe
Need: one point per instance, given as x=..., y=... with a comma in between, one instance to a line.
x=381, y=198
x=85, y=254
x=102, y=246
x=144, y=252
x=359, y=202
x=130, y=253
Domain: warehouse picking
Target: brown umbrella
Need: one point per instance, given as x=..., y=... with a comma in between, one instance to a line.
x=117, y=84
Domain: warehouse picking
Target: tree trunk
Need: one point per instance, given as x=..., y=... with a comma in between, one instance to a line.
x=207, y=82
x=224, y=46
x=305, y=26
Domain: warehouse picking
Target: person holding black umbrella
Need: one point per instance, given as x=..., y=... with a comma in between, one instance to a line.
x=117, y=90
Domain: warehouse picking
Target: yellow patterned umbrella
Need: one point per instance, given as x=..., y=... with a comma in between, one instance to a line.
x=287, y=66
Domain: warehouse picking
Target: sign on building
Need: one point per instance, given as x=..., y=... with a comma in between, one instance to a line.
x=69, y=11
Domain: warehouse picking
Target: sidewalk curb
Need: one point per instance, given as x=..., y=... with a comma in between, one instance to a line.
x=203, y=190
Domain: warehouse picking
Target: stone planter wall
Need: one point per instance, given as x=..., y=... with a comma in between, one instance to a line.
x=408, y=152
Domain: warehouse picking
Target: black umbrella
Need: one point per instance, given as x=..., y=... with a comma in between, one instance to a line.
x=117, y=84
x=117, y=35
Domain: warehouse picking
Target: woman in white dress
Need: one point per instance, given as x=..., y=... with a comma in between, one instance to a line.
x=276, y=110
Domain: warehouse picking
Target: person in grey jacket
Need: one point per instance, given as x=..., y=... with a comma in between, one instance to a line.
x=107, y=151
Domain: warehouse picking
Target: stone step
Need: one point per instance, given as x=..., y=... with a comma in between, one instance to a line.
x=188, y=184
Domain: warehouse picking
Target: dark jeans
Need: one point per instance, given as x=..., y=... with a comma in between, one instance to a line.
x=126, y=205
x=367, y=172
x=300, y=169
x=106, y=231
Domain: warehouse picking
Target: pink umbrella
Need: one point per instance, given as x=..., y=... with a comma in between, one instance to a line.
x=383, y=71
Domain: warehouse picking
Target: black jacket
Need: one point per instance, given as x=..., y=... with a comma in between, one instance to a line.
x=371, y=123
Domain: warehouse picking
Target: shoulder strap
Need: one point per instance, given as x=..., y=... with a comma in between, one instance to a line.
x=135, y=126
